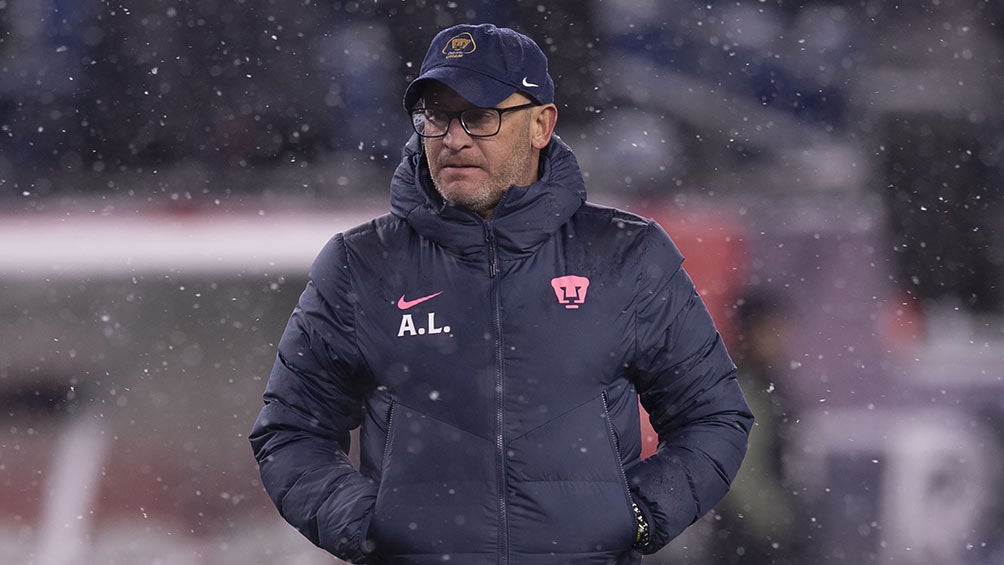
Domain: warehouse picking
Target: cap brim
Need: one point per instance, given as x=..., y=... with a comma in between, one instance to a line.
x=478, y=89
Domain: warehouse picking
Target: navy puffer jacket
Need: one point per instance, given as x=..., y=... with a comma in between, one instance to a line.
x=495, y=369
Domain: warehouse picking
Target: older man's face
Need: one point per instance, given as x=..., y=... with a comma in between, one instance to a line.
x=475, y=172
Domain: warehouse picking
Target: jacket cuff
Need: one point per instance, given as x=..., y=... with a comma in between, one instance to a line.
x=342, y=532
x=665, y=496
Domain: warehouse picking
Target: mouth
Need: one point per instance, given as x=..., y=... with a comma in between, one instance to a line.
x=458, y=168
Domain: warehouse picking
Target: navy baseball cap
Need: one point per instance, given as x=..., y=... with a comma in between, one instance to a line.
x=484, y=64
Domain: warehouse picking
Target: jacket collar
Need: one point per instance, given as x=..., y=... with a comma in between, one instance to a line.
x=522, y=221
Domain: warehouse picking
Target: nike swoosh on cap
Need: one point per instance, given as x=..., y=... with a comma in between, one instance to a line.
x=404, y=304
x=529, y=84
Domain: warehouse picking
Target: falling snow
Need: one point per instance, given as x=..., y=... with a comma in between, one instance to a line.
x=831, y=170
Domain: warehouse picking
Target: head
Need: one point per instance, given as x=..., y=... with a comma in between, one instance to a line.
x=469, y=67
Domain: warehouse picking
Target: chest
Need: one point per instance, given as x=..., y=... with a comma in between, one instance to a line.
x=547, y=331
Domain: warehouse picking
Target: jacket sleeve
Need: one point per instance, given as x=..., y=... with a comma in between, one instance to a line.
x=687, y=383
x=312, y=400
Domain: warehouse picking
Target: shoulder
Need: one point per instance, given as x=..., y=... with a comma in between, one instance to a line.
x=635, y=233
x=623, y=244
x=362, y=237
x=373, y=230
x=601, y=217
x=335, y=259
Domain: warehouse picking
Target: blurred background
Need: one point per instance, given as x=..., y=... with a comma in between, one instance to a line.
x=832, y=171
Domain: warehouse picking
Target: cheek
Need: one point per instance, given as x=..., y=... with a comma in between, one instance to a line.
x=430, y=152
x=495, y=157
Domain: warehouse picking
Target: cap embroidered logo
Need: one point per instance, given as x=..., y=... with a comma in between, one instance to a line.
x=459, y=45
x=570, y=290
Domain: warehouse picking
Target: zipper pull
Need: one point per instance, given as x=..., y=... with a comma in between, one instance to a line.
x=492, y=261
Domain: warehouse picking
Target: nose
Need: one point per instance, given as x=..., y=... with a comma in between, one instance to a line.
x=456, y=136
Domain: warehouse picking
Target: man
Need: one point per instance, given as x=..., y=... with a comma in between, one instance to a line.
x=492, y=336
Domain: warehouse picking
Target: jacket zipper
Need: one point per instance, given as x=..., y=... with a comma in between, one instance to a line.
x=493, y=268
x=386, y=441
x=501, y=483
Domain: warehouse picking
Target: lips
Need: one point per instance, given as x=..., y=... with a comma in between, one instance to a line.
x=458, y=169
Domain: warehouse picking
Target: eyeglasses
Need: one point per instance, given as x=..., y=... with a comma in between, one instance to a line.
x=477, y=122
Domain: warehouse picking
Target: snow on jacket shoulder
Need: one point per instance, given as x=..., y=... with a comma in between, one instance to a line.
x=495, y=370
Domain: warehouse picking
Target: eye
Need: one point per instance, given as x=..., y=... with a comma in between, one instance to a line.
x=435, y=118
x=479, y=118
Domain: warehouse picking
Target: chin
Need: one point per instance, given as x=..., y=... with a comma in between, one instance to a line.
x=457, y=193
x=461, y=199
x=467, y=199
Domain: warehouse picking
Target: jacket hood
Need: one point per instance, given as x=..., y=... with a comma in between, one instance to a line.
x=524, y=218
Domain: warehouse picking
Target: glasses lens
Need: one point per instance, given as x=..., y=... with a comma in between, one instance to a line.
x=418, y=121
x=481, y=121
x=428, y=122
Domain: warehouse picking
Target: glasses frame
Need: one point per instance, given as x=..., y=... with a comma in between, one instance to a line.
x=459, y=116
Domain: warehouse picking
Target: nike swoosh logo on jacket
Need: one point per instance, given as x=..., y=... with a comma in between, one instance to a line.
x=403, y=304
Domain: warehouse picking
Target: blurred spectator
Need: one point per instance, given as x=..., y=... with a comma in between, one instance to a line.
x=794, y=62
x=935, y=100
x=944, y=200
x=44, y=48
x=231, y=84
x=760, y=521
x=745, y=88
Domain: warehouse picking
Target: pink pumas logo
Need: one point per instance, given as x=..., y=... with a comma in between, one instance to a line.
x=570, y=290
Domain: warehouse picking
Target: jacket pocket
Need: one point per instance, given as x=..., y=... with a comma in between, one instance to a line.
x=435, y=494
x=616, y=450
x=568, y=490
x=374, y=436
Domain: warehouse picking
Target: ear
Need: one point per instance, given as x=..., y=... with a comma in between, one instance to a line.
x=542, y=125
